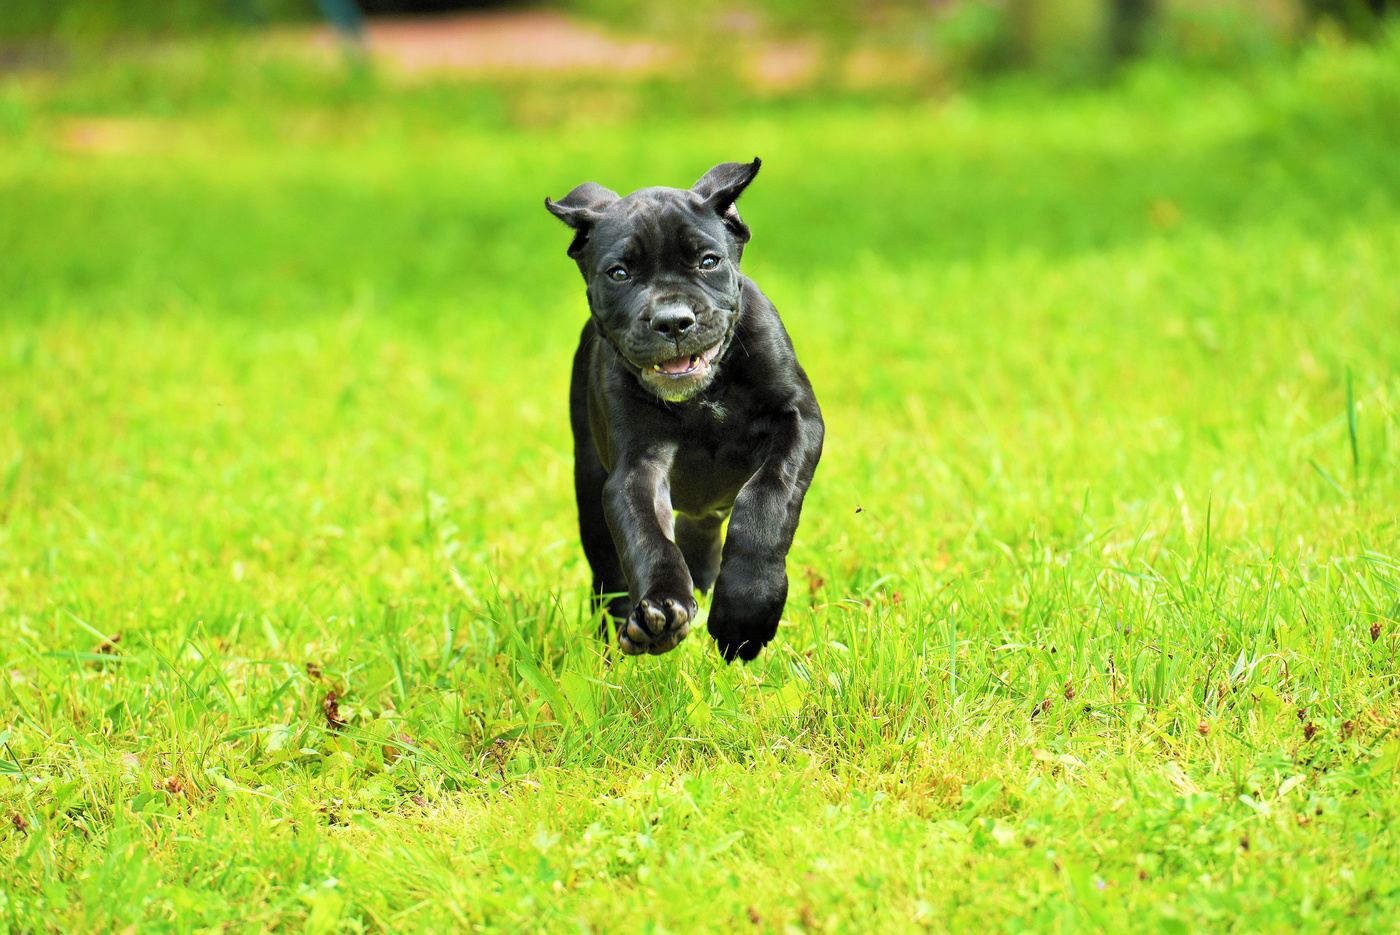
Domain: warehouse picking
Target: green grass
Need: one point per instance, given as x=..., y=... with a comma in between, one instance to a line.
x=1094, y=608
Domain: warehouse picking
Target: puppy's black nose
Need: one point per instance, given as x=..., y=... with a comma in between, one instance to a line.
x=672, y=321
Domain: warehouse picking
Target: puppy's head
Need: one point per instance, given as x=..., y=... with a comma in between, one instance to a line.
x=662, y=268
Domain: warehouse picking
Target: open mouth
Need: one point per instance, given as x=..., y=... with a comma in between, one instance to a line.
x=687, y=365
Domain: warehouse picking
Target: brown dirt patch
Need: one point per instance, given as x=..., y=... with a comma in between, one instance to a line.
x=511, y=41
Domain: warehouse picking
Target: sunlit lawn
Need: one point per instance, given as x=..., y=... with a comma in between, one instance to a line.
x=1094, y=614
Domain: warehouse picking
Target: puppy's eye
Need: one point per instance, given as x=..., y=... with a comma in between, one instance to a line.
x=618, y=274
x=710, y=262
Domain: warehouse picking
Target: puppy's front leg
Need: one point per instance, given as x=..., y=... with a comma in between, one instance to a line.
x=752, y=585
x=637, y=503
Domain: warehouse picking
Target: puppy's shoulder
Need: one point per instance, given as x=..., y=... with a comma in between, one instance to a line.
x=760, y=317
x=772, y=364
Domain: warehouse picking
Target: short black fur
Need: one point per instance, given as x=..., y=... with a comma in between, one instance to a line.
x=688, y=407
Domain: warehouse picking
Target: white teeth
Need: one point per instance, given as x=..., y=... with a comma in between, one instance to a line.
x=693, y=363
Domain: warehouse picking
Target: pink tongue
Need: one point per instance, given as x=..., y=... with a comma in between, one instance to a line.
x=675, y=365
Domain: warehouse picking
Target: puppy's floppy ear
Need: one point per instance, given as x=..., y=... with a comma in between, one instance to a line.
x=722, y=186
x=581, y=209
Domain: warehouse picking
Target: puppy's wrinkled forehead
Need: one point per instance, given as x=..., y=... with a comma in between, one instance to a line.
x=645, y=219
x=655, y=222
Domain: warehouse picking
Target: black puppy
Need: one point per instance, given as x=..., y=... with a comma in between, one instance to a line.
x=687, y=403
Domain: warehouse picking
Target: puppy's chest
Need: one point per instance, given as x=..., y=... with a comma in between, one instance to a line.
x=712, y=462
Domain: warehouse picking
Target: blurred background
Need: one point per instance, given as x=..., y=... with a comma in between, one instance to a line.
x=801, y=43
x=274, y=272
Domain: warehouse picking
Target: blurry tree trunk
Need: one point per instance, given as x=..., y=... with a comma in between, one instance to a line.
x=1359, y=17
x=1127, y=25
x=344, y=15
x=243, y=11
x=1020, y=20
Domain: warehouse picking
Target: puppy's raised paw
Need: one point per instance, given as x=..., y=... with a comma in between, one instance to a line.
x=656, y=625
x=747, y=607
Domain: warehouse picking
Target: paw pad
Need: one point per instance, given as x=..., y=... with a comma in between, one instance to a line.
x=654, y=627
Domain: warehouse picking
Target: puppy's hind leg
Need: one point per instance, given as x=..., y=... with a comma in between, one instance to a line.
x=700, y=542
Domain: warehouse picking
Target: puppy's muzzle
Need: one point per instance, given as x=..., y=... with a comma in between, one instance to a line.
x=673, y=321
